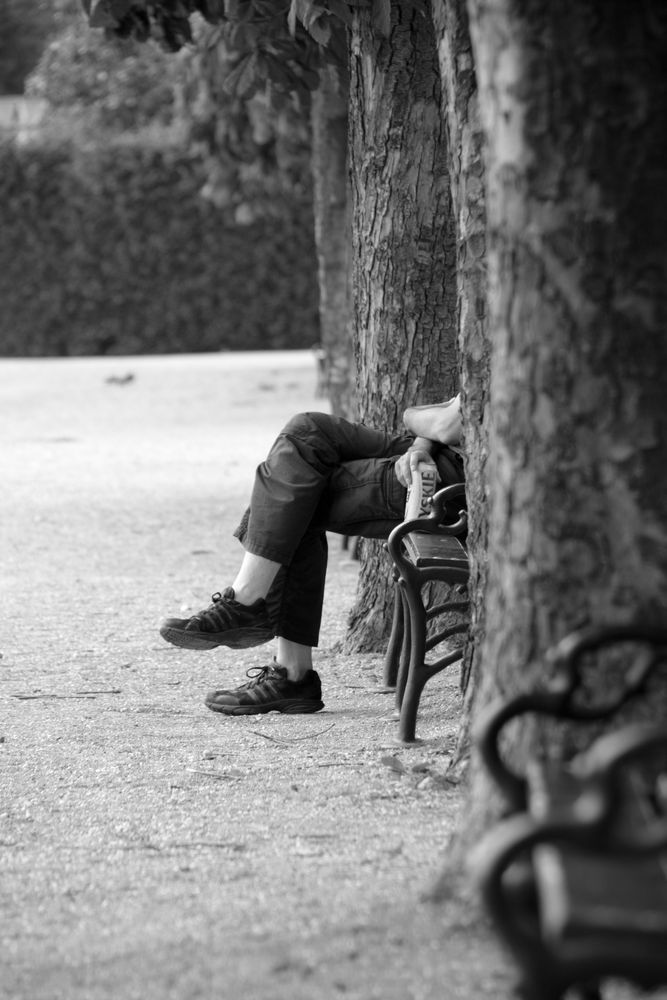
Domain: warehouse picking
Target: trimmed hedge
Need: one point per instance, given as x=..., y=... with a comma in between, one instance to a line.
x=111, y=249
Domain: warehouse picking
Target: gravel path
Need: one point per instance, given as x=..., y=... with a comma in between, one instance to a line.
x=151, y=848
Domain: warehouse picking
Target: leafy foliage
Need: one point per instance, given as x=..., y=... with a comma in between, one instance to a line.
x=246, y=61
x=120, y=85
x=257, y=150
x=111, y=249
x=282, y=43
x=26, y=27
x=20, y=44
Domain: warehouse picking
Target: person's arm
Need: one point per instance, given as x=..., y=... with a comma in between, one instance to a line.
x=437, y=422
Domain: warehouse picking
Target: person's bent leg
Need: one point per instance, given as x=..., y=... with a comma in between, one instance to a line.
x=290, y=484
x=288, y=488
x=288, y=684
x=254, y=578
x=362, y=495
x=294, y=602
x=225, y=622
x=296, y=658
x=363, y=498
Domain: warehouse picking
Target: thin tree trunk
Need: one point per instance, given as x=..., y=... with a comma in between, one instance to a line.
x=333, y=237
x=466, y=172
x=404, y=255
x=574, y=106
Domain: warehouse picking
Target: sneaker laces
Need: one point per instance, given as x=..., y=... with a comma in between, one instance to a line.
x=257, y=675
x=222, y=609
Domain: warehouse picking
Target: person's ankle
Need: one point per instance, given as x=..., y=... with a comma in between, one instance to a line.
x=294, y=657
x=295, y=672
x=245, y=597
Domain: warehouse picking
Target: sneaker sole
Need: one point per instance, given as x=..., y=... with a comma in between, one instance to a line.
x=242, y=638
x=288, y=707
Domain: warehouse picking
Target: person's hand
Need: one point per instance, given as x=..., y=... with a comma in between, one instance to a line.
x=407, y=463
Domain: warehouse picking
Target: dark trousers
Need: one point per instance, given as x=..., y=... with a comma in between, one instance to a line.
x=323, y=473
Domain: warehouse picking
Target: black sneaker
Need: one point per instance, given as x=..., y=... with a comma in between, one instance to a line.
x=269, y=690
x=224, y=623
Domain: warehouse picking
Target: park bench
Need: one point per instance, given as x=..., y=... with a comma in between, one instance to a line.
x=575, y=876
x=426, y=550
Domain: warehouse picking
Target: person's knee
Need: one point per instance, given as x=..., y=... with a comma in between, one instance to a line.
x=311, y=436
x=298, y=425
x=307, y=424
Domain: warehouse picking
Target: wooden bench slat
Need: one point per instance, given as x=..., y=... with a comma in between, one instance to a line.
x=435, y=550
x=582, y=893
x=585, y=892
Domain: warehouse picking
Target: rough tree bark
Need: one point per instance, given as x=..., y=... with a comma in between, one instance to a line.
x=403, y=245
x=333, y=238
x=573, y=99
x=466, y=173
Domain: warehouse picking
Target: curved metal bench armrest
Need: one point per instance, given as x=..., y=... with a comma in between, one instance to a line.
x=445, y=496
x=486, y=737
x=511, y=839
x=432, y=524
x=566, y=656
x=555, y=698
x=489, y=861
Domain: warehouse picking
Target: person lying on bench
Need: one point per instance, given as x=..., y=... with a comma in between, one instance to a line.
x=322, y=473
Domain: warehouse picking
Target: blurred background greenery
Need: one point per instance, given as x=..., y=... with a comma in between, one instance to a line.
x=143, y=210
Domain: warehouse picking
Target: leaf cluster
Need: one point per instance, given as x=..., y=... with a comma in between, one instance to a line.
x=27, y=26
x=281, y=43
x=116, y=87
x=256, y=147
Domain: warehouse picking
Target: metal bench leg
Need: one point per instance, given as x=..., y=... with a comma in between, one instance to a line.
x=413, y=677
x=393, y=655
x=404, y=656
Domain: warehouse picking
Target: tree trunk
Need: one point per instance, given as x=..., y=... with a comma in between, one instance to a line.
x=404, y=254
x=466, y=172
x=573, y=99
x=333, y=239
